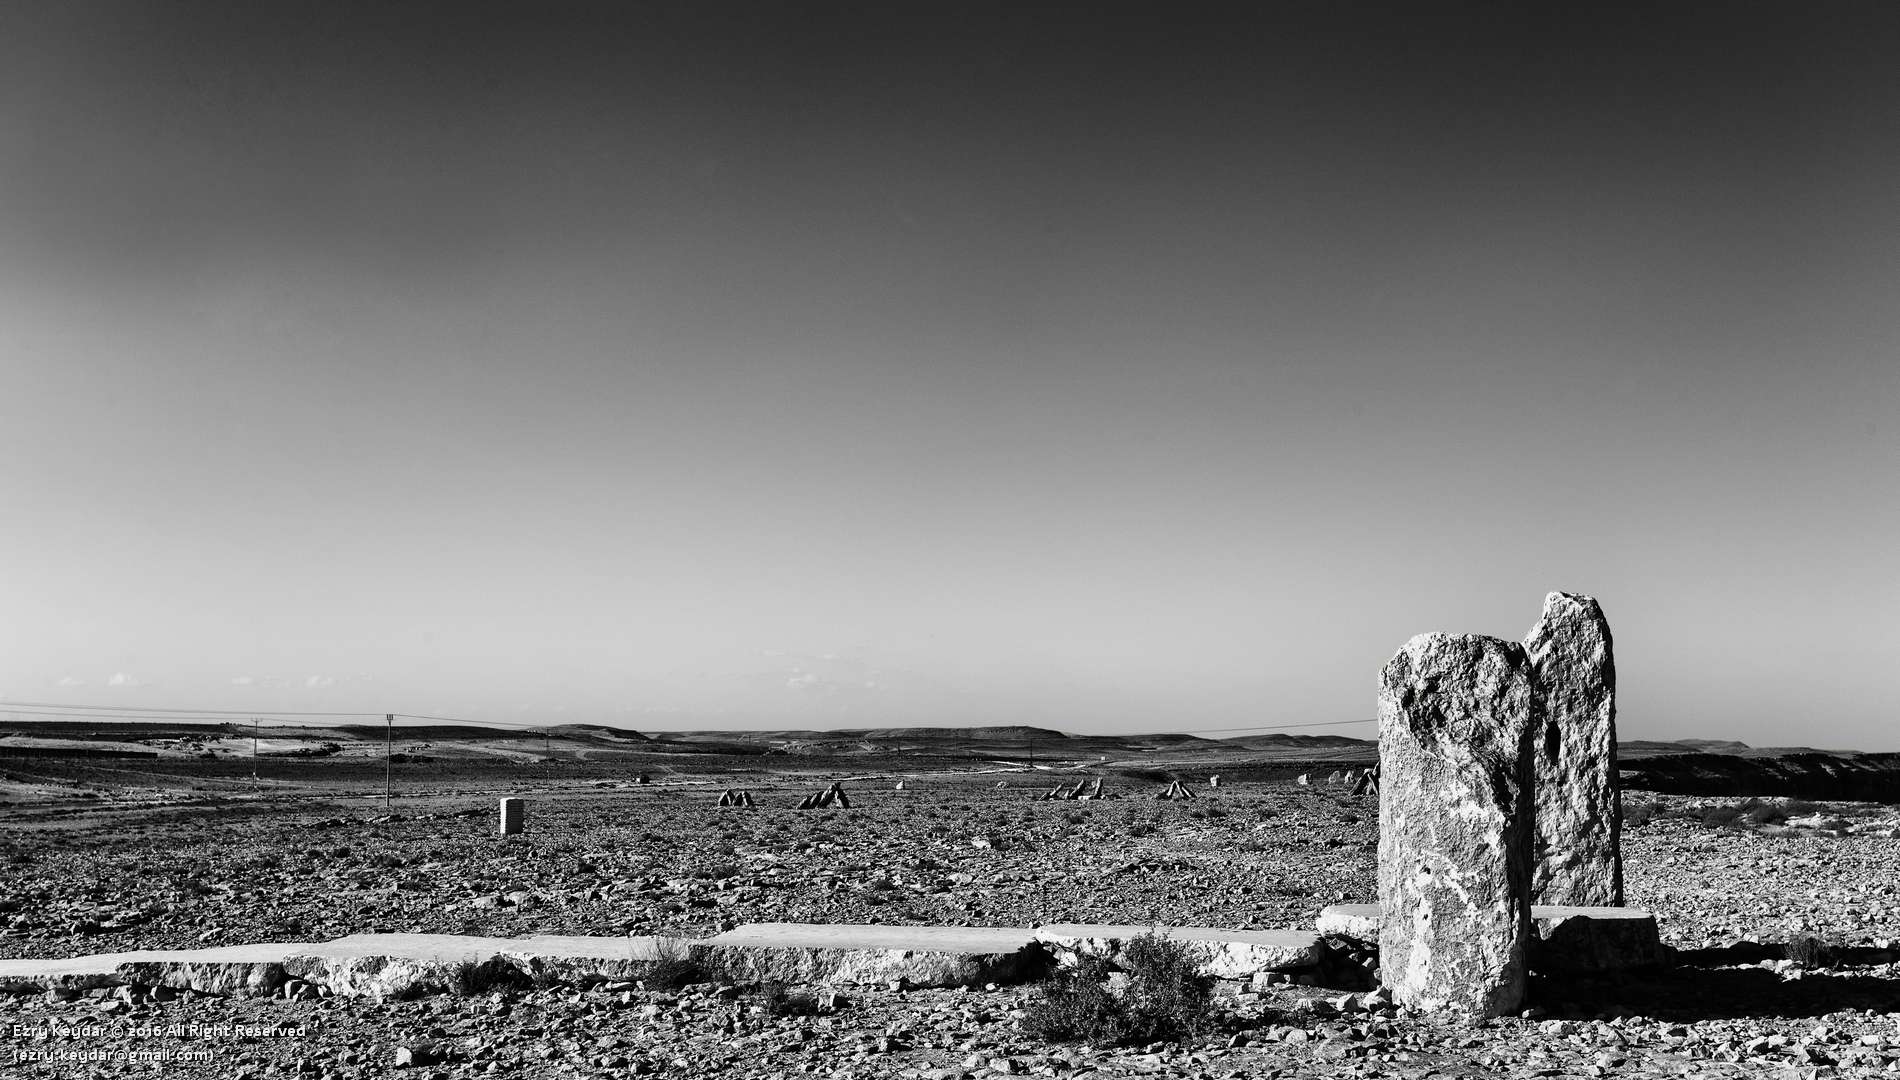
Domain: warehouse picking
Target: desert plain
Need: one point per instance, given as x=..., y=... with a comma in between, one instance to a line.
x=1781, y=913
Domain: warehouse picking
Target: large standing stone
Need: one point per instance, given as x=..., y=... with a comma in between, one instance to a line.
x=1454, y=824
x=1576, y=850
x=512, y=814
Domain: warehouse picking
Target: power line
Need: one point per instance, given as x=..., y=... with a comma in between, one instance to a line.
x=1278, y=727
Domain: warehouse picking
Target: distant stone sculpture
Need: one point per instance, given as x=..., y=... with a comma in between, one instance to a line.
x=513, y=816
x=1051, y=795
x=731, y=797
x=1576, y=850
x=1304, y=779
x=1176, y=790
x=830, y=797
x=1213, y=781
x=1367, y=782
x=900, y=786
x=1454, y=815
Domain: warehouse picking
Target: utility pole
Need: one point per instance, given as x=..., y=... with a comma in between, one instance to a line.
x=389, y=745
x=254, y=722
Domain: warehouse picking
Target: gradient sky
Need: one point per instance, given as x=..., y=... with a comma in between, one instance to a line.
x=1142, y=369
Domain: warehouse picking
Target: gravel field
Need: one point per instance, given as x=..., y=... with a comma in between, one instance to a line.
x=950, y=850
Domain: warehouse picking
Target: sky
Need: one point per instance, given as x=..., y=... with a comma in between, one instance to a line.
x=1128, y=368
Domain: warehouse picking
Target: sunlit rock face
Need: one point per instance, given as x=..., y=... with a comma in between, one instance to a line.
x=1576, y=852
x=1454, y=835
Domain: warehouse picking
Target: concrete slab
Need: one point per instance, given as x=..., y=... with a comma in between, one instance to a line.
x=1357, y=921
x=1569, y=939
x=398, y=965
x=373, y=965
x=231, y=969
x=1581, y=939
x=863, y=953
x=1226, y=954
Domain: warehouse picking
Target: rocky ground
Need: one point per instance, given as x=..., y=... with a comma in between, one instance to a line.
x=612, y=858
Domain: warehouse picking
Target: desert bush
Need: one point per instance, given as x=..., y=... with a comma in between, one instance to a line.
x=1165, y=998
x=1764, y=813
x=1141, y=828
x=1800, y=807
x=1809, y=952
x=471, y=977
x=776, y=1000
x=1638, y=814
x=1721, y=816
x=674, y=966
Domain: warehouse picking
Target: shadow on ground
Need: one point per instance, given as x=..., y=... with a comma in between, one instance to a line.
x=1691, y=992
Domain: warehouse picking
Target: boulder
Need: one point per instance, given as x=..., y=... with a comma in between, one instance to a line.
x=1576, y=855
x=1454, y=816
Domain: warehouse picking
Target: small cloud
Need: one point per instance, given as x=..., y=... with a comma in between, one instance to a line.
x=244, y=680
x=120, y=678
x=319, y=682
x=70, y=680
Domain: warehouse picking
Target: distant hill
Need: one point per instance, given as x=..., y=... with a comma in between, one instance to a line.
x=597, y=731
x=1281, y=741
x=1637, y=749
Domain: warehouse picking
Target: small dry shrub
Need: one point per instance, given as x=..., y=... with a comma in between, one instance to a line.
x=674, y=966
x=1166, y=998
x=471, y=977
x=1764, y=813
x=777, y=1000
x=1809, y=952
